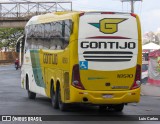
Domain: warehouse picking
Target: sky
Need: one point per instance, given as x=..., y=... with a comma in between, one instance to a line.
x=148, y=10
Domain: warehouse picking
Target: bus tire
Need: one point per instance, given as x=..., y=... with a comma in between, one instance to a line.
x=102, y=108
x=54, y=98
x=31, y=95
x=62, y=106
x=119, y=107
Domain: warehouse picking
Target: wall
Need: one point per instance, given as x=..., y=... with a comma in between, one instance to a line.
x=8, y=57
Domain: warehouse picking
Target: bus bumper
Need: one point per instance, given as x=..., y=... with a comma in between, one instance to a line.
x=104, y=97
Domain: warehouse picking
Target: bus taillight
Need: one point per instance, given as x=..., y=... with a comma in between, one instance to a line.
x=76, y=82
x=137, y=80
x=134, y=15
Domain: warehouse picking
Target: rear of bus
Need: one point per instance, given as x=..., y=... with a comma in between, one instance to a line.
x=108, y=71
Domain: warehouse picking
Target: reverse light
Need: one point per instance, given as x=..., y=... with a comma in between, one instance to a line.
x=137, y=82
x=76, y=82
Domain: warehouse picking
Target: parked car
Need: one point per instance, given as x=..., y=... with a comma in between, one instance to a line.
x=144, y=75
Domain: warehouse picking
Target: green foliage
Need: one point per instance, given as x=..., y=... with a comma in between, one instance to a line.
x=9, y=36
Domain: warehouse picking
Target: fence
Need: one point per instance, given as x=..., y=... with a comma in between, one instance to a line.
x=8, y=57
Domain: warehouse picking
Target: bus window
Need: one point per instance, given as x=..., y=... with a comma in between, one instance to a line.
x=47, y=31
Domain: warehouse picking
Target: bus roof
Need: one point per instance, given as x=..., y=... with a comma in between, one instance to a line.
x=49, y=17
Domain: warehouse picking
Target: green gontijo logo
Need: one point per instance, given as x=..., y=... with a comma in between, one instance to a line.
x=108, y=25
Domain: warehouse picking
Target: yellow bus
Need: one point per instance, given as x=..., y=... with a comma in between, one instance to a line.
x=83, y=58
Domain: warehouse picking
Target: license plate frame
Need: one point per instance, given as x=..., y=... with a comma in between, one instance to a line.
x=107, y=96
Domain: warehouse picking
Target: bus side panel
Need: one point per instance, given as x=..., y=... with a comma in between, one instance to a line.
x=37, y=69
x=139, y=57
x=56, y=69
x=33, y=69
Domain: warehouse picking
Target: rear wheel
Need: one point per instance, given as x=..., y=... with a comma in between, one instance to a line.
x=118, y=107
x=102, y=108
x=54, y=98
x=62, y=106
x=31, y=95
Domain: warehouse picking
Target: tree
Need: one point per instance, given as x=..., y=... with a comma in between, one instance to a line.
x=9, y=36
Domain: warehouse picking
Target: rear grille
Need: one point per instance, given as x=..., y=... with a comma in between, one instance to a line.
x=107, y=56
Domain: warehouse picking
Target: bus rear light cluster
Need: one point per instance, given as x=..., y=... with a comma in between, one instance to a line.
x=134, y=15
x=76, y=82
x=137, y=82
x=81, y=14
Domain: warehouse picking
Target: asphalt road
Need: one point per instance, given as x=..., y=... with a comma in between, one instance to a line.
x=14, y=101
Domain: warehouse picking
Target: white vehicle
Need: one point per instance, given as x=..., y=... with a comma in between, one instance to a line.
x=144, y=76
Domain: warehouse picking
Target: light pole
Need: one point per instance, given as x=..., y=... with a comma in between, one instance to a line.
x=132, y=4
x=0, y=10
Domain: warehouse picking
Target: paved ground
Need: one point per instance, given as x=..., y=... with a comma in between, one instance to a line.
x=150, y=90
x=14, y=101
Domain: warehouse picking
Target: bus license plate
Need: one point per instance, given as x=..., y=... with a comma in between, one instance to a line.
x=107, y=96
